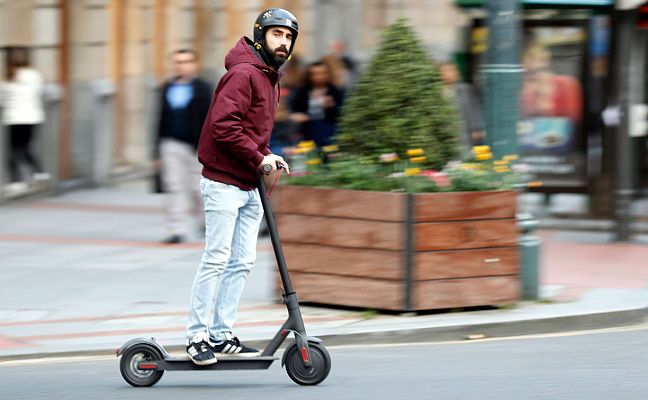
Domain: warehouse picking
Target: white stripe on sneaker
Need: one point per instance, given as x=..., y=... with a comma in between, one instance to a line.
x=231, y=349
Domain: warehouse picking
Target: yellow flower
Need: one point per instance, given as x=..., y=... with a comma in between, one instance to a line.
x=300, y=150
x=483, y=156
x=330, y=149
x=412, y=171
x=469, y=166
x=307, y=144
x=313, y=161
x=510, y=157
x=500, y=170
x=481, y=149
x=418, y=159
x=500, y=163
x=415, y=152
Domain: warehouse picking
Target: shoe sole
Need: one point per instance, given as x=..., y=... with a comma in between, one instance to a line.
x=202, y=363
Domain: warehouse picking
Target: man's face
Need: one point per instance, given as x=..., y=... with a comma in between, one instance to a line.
x=278, y=41
x=319, y=75
x=449, y=73
x=184, y=65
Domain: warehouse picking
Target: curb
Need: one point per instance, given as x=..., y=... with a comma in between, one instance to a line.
x=549, y=325
x=500, y=329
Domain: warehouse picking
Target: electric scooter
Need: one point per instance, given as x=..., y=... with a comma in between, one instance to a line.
x=307, y=362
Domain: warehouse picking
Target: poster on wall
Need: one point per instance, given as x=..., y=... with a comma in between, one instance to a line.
x=551, y=128
x=555, y=91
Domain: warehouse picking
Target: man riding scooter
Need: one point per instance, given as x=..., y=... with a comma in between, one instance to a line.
x=233, y=147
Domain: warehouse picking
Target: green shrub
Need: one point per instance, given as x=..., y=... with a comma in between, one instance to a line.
x=398, y=104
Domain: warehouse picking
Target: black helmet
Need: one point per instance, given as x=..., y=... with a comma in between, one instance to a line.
x=274, y=17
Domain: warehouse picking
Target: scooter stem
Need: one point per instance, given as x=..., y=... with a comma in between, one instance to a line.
x=274, y=237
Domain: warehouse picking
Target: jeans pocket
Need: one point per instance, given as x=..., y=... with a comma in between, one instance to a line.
x=208, y=183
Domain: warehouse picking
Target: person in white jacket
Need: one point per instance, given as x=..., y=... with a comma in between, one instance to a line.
x=22, y=110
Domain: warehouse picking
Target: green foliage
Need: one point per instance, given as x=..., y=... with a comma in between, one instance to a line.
x=349, y=174
x=398, y=104
x=364, y=173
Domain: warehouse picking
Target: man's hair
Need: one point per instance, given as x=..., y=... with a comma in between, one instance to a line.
x=318, y=63
x=187, y=51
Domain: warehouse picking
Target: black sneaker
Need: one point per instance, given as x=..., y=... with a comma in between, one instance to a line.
x=199, y=350
x=231, y=346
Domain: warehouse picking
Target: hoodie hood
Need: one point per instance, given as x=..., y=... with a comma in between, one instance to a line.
x=236, y=134
x=243, y=53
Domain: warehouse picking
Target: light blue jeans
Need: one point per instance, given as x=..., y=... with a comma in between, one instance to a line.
x=232, y=218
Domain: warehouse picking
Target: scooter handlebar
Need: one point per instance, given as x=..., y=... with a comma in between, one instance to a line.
x=267, y=168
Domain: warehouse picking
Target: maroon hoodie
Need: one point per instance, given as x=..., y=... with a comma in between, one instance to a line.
x=236, y=133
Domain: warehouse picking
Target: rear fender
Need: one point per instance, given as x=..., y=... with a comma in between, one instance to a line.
x=150, y=343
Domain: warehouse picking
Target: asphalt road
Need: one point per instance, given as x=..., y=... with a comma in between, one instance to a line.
x=610, y=364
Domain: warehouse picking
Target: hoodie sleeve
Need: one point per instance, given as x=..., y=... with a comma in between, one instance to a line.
x=225, y=117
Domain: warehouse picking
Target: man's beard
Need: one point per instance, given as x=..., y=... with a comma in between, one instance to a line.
x=276, y=59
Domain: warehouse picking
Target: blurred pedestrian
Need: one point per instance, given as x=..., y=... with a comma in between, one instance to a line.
x=184, y=105
x=316, y=106
x=22, y=112
x=234, y=147
x=465, y=98
x=343, y=68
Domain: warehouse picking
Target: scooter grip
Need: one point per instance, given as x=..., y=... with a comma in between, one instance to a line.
x=267, y=168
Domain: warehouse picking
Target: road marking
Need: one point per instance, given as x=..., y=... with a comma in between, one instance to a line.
x=250, y=307
x=96, y=242
x=634, y=328
x=111, y=242
x=56, y=360
x=97, y=207
x=180, y=328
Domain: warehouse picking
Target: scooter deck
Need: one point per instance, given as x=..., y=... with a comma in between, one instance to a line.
x=224, y=363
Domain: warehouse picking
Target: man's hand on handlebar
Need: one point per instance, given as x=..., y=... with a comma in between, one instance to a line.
x=271, y=162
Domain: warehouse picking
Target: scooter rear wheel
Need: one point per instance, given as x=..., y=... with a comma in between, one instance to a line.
x=135, y=376
x=316, y=373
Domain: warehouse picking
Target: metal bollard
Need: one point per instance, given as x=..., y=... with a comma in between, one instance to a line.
x=50, y=133
x=103, y=92
x=3, y=161
x=529, y=245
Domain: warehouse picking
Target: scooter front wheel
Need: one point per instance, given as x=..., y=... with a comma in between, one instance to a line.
x=130, y=360
x=316, y=373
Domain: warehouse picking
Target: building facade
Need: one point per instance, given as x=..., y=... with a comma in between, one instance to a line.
x=104, y=60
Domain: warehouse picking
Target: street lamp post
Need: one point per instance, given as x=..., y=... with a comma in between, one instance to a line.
x=502, y=74
x=624, y=20
x=624, y=188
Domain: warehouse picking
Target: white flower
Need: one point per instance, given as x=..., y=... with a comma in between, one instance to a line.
x=388, y=157
x=521, y=168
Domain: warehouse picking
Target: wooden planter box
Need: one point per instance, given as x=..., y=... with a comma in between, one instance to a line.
x=398, y=251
